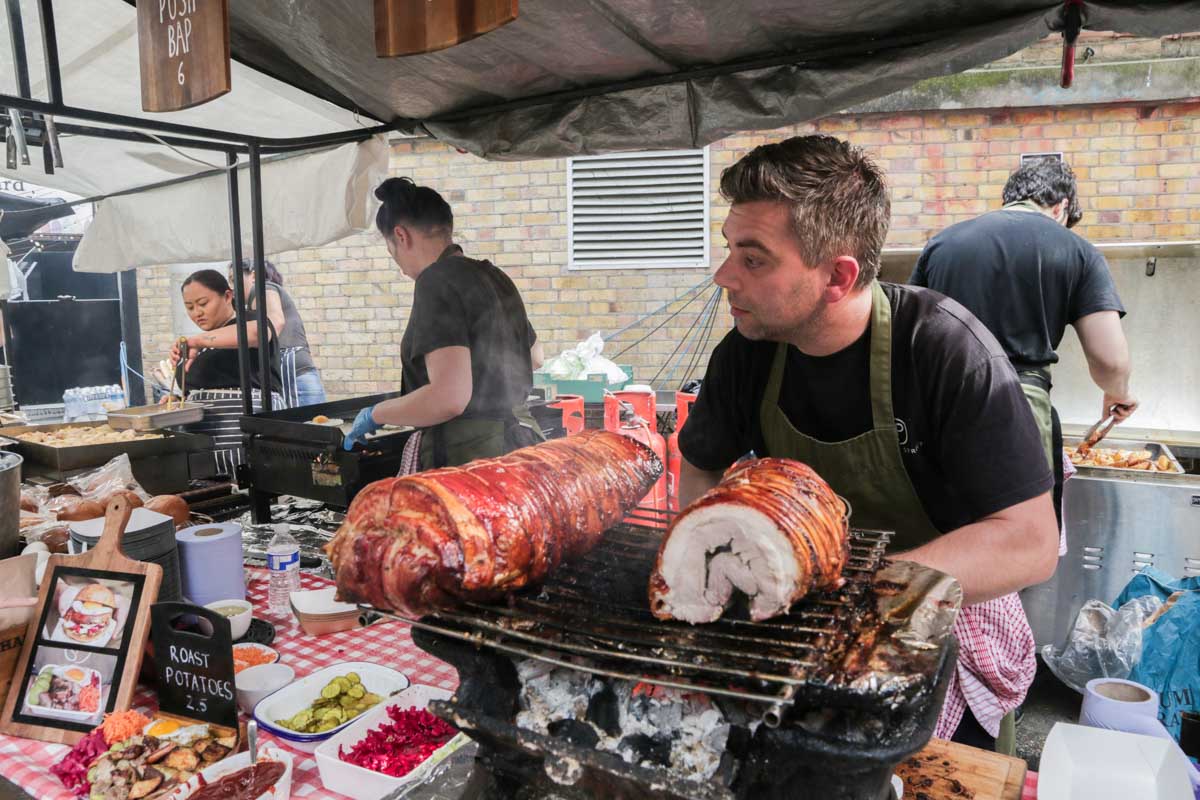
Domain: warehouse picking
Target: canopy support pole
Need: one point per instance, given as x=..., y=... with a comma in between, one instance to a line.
x=239, y=286
x=260, y=278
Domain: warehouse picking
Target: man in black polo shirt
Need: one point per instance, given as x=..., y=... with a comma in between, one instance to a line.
x=897, y=396
x=1026, y=277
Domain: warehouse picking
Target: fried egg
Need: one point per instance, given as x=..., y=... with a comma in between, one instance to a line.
x=89, y=608
x=169, y=730
x=74, y=674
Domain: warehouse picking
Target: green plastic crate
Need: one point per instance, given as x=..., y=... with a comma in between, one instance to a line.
x=591, y=389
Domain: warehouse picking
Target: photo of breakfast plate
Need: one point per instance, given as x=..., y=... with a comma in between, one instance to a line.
x=65, y=691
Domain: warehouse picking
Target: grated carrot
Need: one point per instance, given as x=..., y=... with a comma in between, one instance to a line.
x=244, y=657
x=120, y=725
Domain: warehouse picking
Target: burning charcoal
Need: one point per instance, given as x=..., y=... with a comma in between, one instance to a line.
x=604, y=712
x=655, y=749
x=576, y=732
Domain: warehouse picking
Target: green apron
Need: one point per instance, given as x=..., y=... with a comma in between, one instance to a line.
x=1039, y=403
x=868, y=469
x=464, y=439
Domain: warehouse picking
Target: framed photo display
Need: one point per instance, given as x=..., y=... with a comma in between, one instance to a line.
x=84, y=645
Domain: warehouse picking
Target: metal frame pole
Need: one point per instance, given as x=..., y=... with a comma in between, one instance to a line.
x=260, y=276
x=16, y=33
x=50, y=51
x=239, y=294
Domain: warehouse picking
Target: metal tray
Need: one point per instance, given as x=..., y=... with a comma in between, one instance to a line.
x=294, y=424
x=155, y=417
x=65, y=459
x=1156, y=449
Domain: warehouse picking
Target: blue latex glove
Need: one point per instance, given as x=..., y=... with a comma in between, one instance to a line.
x=364, y=423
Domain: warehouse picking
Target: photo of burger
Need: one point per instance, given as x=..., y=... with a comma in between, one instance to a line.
x=88, y=611
x=90, y=616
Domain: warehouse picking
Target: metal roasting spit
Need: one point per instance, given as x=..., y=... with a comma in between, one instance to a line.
x=875, y=653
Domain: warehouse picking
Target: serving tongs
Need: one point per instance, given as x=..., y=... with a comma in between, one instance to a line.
x=1097, y=432
x=182, y=344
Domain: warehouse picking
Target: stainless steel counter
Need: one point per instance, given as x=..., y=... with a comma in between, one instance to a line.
x=1115, y=526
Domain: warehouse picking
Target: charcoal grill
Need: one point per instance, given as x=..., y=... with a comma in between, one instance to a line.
x=846, y=685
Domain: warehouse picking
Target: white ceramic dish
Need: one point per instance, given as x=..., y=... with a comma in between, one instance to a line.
x=360, y=783
x=282, y=790
x=292, y=699
x=271, y=651
x=62, y=713
x=238, y=623
x=253, y=684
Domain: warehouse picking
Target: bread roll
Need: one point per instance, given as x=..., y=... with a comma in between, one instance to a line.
x=172, y=505
x=81, y=510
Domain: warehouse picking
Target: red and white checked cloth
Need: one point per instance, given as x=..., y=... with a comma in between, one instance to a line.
x=996, y=664
x=27, y=762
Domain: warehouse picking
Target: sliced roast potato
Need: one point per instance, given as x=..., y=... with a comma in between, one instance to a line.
x=161, y=753
x=151, y=780
x=214, y=752
x=183, y=758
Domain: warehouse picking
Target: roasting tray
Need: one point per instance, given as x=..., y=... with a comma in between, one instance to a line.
x=156, y=417
x=65, y=459
x=1156, y=449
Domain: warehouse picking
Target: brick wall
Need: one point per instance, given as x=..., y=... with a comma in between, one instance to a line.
x=1138, y=168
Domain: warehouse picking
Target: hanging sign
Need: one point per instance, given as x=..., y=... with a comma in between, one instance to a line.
x=183, y=48
x=407, y=27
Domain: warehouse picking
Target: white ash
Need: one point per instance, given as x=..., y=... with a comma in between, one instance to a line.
x=696, y=728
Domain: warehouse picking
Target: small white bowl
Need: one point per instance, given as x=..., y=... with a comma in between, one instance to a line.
x=238, y=623
x=255, y=683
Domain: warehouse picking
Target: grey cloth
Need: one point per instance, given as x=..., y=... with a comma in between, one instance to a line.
x=294, y=337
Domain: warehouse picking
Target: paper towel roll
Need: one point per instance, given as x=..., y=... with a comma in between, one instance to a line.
x=1117, y=704
x=1122, y=705
x=211, y=562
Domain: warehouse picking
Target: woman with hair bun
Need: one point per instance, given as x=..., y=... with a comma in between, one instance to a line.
x=210, y=374
x=468, y=352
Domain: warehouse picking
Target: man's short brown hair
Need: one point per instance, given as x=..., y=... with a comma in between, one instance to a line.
x=839, y=197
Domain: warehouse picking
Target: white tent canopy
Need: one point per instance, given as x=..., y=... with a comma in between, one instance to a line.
x=309, y=200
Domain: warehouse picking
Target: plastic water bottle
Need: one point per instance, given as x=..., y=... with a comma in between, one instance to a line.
x=70, y=405
x=283, y=563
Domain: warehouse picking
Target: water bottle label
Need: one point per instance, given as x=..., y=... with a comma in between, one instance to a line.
x=284, y=561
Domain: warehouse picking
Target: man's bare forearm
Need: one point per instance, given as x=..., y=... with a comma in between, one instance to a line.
x=1000, y=554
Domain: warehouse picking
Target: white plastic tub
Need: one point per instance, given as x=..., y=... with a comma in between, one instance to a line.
x=363, y=784
x=298, y=696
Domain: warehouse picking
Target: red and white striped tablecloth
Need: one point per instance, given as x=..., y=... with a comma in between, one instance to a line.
x=26, y=762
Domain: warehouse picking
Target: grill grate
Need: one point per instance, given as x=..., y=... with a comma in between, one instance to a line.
x=592, y=615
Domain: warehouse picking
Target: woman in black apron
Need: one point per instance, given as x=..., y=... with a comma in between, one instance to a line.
x=210, y=375
x=468, y=351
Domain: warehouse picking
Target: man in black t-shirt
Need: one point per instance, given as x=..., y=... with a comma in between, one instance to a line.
x=895, y=395
x=1026, y=277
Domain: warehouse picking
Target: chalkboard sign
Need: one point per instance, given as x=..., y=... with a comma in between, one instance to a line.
x=193, y=660
x=183, y=49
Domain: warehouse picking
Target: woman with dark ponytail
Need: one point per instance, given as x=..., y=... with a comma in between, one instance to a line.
x=468, y=352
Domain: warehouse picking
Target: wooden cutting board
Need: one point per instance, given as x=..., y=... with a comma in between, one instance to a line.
x=943, y=767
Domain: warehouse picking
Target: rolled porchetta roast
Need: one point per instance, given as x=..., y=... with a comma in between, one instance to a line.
x=419, y=542
x=772, y=528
